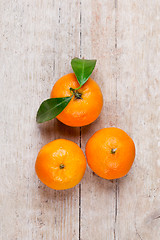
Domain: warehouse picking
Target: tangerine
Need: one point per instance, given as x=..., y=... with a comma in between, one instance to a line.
x=60, y=164
x=85, y=105
x=110, y=153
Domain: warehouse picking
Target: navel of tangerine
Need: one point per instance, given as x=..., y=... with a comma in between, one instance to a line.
x=61, y=166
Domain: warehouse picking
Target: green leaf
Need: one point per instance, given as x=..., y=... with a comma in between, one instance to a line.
x=82, y=69
x=50, y=108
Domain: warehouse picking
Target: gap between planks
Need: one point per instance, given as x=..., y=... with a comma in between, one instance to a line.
x=80, y=142
x=116, y=181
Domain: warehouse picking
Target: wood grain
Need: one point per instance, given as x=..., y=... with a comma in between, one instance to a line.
x=38, y=40
x=138, y=102
x=98, y=41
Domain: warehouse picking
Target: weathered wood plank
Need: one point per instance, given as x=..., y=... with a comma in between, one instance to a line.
x=138, y=99
x=39, y=38
x=98, y=41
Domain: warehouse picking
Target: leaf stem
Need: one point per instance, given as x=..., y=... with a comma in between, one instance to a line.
x=78, y=87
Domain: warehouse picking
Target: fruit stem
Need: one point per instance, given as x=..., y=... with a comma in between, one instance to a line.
x=61, y=166
x=113, y=150
x=76, y=93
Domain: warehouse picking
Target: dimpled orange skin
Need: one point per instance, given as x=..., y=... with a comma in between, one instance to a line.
x=79, y=112
x=100, y=159
x=59, y=153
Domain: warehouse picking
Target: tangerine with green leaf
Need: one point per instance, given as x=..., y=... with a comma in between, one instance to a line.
x=76, y=99
x=85, y=105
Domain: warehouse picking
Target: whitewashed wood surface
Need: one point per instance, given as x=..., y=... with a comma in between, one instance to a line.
x=38, y=40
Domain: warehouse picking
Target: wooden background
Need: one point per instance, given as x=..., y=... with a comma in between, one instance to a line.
x=38, y=40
